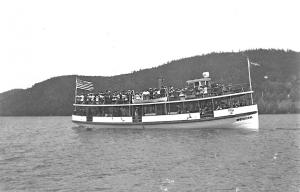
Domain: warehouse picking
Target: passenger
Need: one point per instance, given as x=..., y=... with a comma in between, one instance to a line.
x=137, y=97
x=236, y=104
x=163, y=92
x=101, y=97
x=90, y=98
x=170, y=93
x=120, y=99
x=123, y=96
x=127, y=95
x=203, y=111
x=131, y=94
x=94, y=99
x=136, y=114
x=105, y=98
x=97, y=99
x=80, y=99
x=156, y=93
x=205, y=90
x=182, y=95
x=179, y=110
x=177, y=93
x=85, y=99
x=219, y=90
x=151, y=93
x=110, y=97
x=146, y=95
x=190, y=91
x=114, y=98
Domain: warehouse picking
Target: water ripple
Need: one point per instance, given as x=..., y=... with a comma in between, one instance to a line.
x=51, y=154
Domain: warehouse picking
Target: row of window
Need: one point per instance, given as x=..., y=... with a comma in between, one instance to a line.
x=203, y=106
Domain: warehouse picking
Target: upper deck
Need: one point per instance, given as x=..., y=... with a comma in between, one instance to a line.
x=195, y=90
x=211, y=97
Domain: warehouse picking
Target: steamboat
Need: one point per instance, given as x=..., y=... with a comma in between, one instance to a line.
x=201, y=104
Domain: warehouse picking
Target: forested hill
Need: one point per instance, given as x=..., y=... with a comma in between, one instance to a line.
x=279, y=93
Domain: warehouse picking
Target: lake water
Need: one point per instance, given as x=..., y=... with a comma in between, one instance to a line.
x=53, y=154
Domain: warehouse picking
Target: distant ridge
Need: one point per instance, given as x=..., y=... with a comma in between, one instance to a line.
x=280, y=93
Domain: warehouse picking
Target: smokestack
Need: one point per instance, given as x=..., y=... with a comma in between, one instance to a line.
x=160, y=82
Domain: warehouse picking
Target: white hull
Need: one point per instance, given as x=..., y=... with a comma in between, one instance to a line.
x=242, y=118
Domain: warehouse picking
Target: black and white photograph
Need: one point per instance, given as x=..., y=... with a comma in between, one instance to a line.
x=149, y=96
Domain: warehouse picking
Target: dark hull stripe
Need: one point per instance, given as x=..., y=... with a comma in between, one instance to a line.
x=167, y=122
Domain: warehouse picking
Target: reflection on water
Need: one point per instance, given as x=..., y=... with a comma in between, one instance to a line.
x=51, y=153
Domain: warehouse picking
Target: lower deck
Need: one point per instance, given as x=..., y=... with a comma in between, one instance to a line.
x=232, y=117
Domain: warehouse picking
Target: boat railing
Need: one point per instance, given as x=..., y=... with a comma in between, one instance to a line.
x=215, y=90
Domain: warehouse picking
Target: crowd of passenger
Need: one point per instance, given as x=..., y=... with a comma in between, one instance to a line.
x=171, y=93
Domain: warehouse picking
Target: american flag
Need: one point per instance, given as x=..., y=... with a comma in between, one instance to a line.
x=86, y=85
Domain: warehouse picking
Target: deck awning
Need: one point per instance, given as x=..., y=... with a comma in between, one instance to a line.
x=198, y=80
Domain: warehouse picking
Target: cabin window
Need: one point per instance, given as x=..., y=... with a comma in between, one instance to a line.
x=247, y=99
x=222, y=103
x=107, y=111
x=160, y=109
x=148, y=110
x=99, y=111
x=206, y=108
x=92, y=111
x=191, y=107
x=155, y=109
x=233, y=101
x=124, y=111
x=81, y=111
x=175, y=108
x=111, y=111
x=241, y=100
x=137, y=111
x=206, y=104
x=116, y=112
x=237, y=101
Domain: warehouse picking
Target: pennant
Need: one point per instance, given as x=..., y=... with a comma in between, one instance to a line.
x=255, y=64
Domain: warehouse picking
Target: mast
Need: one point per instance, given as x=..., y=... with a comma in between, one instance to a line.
x=249, y=73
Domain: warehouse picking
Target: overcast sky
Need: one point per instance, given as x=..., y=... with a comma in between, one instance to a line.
x=42, y=39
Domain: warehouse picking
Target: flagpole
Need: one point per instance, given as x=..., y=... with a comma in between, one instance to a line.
x=75, y=90
x=249, y=73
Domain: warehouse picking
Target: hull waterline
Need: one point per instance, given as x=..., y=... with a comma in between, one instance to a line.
x=244, y=121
